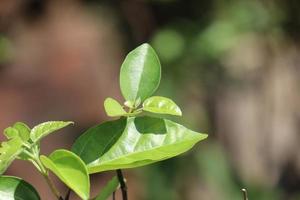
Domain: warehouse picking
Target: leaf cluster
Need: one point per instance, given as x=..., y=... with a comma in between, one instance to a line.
x=133, y=139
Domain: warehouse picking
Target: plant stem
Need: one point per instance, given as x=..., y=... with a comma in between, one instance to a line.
x=52, y=186
x=245, y=194
x=67, y=197
x=37, y=162
x=33, y=152
x=114, y=196
x=122, y=184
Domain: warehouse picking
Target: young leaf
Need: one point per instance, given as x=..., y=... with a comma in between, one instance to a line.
x=13, y=188
x=44, y=129
x=144, y=140
x=113, y=108
x=140, y=73
x=161, y=105
x=70, y=169
x=9, y=151
x=19, y=129
x=11, y=132
x=17, y=135
x=108, y=190
x=23, y=129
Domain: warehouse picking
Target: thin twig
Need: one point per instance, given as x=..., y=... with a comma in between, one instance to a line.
x=67, y=197
x=52, y=186
x=34, y=156
x=114, y=195
x=45, y=174
x=122, y=184
x=245, y=194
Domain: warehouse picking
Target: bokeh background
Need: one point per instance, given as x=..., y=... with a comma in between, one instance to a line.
x=232, y=66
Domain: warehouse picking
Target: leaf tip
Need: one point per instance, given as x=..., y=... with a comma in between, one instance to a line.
x=71, y=123
x=204, y=136
x=179, y=112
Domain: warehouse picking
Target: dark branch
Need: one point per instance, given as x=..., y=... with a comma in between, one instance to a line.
x=114, y=195
x=67, y=197
x=122, y=184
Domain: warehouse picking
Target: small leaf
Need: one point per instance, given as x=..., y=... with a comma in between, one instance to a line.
x=70, y=169
x=140, y=73
x=13, y=188
x=19, y=129
x=9, y=151
x=11, y=132
x=113, y=108
x=13, y=148
x=23, y=129
x=109, y=189
x=161, y=105
x=44, y=129
x=144, y=140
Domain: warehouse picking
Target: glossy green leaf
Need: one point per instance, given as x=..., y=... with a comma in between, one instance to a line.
x=161, y=105
x=113, y=108
x=9, y=151
x=140, y=73
x=13, y=188
x=98, y=139
x=144, y=140
x=70, y=169
x=109, y=188
x=44, y=129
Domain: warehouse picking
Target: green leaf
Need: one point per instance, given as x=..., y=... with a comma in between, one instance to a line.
x=13, y=148
x=144, y=140
x=19, y=129
x=44, y=129
x=13, y=188
x=161, y=105
x=113, y=108
x=11, y=132
x=23, y=129
x=70, y=169
x=140, y=73
x=9, y=151
x=98, y=139
x=108, y=190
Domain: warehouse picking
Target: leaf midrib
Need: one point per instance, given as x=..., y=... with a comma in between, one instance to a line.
x=144, y=54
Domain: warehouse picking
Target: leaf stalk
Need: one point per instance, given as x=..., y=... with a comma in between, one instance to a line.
x=35, y=159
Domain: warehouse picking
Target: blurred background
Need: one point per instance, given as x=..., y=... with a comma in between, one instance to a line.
x=231, y=65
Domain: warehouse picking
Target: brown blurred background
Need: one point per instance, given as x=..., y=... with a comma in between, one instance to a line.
x=232, y=66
